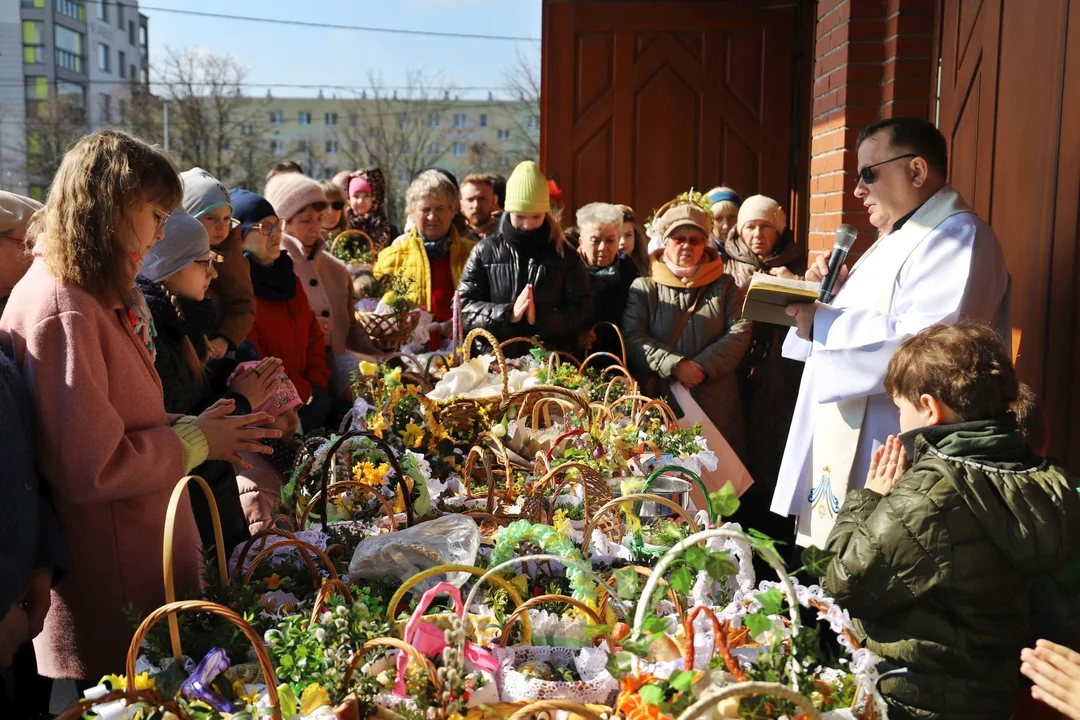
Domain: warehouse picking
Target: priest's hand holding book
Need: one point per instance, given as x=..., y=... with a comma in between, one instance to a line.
x=782, y=298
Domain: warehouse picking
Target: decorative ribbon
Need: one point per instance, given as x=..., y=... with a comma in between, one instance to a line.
x=430, y=640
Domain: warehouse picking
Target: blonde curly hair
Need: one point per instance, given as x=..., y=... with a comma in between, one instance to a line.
x=105, y=177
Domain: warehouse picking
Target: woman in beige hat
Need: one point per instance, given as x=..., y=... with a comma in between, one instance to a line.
x=760, y=242
x=684, y=323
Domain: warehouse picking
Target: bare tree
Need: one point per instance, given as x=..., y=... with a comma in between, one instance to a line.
x=401, y=133
x=52, y=127
x=212, y=124
x=523, y=85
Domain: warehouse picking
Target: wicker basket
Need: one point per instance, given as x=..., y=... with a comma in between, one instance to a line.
x=346, y=237
x=389, y=333
x=462, y=416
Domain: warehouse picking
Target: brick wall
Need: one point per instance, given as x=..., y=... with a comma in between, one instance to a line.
x=873, y=59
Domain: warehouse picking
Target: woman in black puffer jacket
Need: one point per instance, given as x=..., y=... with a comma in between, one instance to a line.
x=174, y=280
x=525, y=280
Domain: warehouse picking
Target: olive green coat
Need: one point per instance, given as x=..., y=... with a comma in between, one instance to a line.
x=937, y=570
x=716, y=337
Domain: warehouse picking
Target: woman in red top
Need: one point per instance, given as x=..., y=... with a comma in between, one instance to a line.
x=285, y=327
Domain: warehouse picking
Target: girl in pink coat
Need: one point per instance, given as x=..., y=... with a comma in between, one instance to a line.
x=82, y=337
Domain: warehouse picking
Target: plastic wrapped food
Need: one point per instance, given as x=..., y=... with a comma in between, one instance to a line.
x=451, y=539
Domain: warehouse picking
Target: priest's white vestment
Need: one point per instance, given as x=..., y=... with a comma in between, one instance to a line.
x=943, y=264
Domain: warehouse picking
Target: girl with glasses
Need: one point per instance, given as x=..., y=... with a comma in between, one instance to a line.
x=83, y=337
x=207, y=200
x=175, y=279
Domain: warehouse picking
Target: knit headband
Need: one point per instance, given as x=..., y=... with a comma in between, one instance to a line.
x=724, y=196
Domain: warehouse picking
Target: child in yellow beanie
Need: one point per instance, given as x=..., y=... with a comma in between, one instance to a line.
x=520, y=282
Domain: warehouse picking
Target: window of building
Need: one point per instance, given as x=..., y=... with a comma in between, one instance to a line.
x=72, y=8
x=33, y=32
x=331, y=146
x=245, y=130
x=102, y=10
x=434, y=120
x=433, y=148
x=534, y=123
x=403, y=147
x=303, y=117
x=459, y=120
x=70, y=92
x=144, y=75
x=354, y=120
x=122, y=108
x=226, y=145
x=275, y=146
x=105, y=101
x=132, y=73
x=331, y=118
x=132, y=37
x=276, y=117
x=70, y=49
x=404, y=121
x=37, y=192
x=33, y=3
x=119, y=14
x=459, y=149
x=103, y=57
x=483, y=120
x=121, y=63
x=402, y=175
x=37, y=88
x=503, y=134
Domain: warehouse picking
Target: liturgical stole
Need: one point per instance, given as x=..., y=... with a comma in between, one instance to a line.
x=837, y=425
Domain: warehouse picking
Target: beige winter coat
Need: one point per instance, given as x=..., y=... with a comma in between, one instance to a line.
x=716, y=337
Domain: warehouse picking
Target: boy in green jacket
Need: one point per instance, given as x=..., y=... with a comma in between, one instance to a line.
x=934, y=558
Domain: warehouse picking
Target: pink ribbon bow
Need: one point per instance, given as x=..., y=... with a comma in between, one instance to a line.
x=430, y=640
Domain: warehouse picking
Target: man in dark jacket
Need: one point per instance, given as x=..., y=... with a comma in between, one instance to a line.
x=935, y=561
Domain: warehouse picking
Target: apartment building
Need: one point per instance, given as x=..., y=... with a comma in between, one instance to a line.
x=326, y=135
x=66, y=67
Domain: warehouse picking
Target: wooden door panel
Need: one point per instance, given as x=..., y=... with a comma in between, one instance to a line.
x=667, y=96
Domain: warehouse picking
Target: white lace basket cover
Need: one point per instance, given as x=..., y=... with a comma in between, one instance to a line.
x=596, y=685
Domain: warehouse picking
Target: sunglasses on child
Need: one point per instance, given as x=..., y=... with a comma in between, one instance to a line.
x=337, y=205
x=869, y=176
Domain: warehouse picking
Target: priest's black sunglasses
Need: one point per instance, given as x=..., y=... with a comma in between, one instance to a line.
x=869, y=176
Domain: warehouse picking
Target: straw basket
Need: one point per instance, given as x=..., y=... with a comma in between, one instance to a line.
x=462, y=416
x=389, y=333
x=343, y=248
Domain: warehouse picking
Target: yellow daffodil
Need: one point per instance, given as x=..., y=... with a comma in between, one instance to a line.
x=368, y=369
x=143, y=681
x=521, y=584
x=561, y=521
x=314, y=697
x=377, y=425
x=414, y=435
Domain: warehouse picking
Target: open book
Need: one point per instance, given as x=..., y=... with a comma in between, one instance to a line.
x=768, y=296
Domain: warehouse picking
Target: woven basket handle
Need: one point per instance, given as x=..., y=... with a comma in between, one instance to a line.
x=500, y=357
x=346, y=485
x=167, y=550
x=305, y=549
x=532, y=602
x=250, y=633
x=324, y=475
x=633, y=498
x=329, y=588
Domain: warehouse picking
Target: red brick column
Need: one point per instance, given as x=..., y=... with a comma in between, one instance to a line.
x=873, y=60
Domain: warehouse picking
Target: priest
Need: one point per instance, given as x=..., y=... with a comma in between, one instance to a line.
x=934, y=261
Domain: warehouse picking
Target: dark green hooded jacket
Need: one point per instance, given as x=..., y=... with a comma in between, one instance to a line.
x=937, y=570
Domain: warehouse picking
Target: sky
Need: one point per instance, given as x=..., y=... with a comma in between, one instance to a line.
x=336, y=56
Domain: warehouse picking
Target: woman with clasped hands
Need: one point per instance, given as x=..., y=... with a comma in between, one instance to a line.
x=685, y=323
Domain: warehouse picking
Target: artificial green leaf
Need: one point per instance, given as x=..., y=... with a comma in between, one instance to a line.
x=681, y=680
x=757, y=623
x=627, y=583
x=772, y=601
x=654, y=624
x=652, y=694
x=594, y=631
x=680, y=579
x=637, y=647
x=759, y=539
x=169, y=680
x=618, y=664
x=816, y=561
x=719, y=565
x=286, y=661
x=724, y=501
x=696, y=557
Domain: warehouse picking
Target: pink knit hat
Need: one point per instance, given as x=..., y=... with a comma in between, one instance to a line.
x=283, y=398
x=290, y=193
x=359, y=184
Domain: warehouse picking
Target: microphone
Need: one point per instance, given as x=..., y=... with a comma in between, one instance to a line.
x=845, y=238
